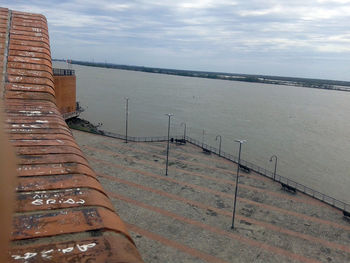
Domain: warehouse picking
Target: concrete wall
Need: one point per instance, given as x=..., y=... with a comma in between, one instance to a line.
x=65, y=89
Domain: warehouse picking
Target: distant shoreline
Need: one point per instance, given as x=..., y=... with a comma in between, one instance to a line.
x=288, y=81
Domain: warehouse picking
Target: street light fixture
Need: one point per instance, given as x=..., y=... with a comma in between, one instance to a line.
x=184, y=123
x=236, y=190
x=167, y=149
x=274, y=173
x=219, y=136
x=126, y=118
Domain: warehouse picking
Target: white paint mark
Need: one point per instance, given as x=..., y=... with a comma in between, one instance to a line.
x=26, y=256
x=84, y=248
x=50, y=201
x=69, y=201
x=67, y=250
x=81, y=201
x=44, y=254
x=37, y=202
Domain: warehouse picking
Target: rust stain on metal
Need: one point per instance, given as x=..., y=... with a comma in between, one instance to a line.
x=54, y=182
x=97, y=249
x=30, y=88
x=30, y=48
x=52, y=158
x=32, y=150
x=18, y=65
x=54, y=169
x=66, y=221
x=59, y=199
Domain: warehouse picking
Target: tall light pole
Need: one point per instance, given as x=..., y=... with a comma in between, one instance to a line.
x=274, y=173
x=184, y=123
x=167, y=149
x=126, y=119
x=219, y=136
x=203, y=138
x=234, y=202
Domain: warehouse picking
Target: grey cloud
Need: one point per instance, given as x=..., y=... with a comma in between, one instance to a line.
x=203, y=34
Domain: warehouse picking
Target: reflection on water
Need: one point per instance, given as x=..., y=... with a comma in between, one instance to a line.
x=308, y=129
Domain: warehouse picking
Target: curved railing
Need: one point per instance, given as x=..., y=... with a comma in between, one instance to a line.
x=279, y=178
x=262, y=171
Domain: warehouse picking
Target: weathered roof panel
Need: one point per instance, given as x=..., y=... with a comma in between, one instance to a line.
x=58, y=194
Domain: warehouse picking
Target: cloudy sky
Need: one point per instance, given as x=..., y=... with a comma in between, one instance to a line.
x=309, y=38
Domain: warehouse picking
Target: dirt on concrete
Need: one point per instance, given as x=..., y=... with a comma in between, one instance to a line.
x=187, y=215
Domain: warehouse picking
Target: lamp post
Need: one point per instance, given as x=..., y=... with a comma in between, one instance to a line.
x=126, y=119
x=274, y=173
x=219, y=136
x=167, y=149
x=183, y=123
x=203, y=139
x=234, y=202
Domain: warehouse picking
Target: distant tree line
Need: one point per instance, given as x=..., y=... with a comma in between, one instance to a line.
x=290, y=81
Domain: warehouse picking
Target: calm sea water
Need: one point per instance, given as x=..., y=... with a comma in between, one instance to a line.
x=308, y=129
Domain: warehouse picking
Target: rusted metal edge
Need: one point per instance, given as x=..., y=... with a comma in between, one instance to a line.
x=7, y=43
x=31, y=54
x=18, y=55
x=24, y=23
x=29, y=60
x=43, y=170
x=29, y=44
x=29, y=88
x=29, y=48
x=29, y=159
x=66, y=221
x=35, y=119
x=38, y=131
x=45, y=118
x=58, y=182
x=31, y=39
x=25, y=95
x=21, y=79
x=39, y=201
x=28, y=33
x=32, y=70
x=47, y=106
x=83, y=247
x=20, y=137
x=38, y=150
x=35, y=126
x=10, y=94
x=31, y=29
x=28, y=65
x=30, y=16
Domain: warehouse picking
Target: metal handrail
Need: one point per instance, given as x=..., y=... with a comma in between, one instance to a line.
x=63, y=72
x=262, y=171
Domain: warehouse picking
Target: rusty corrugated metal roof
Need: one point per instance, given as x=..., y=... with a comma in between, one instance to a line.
x=62, y=212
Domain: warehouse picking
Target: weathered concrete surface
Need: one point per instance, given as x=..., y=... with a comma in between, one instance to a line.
x=186, y=216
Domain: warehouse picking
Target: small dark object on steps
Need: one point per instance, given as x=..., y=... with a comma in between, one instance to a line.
x=180, y=141
x=206, y=151
x=244, y=168
x=288, y=188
